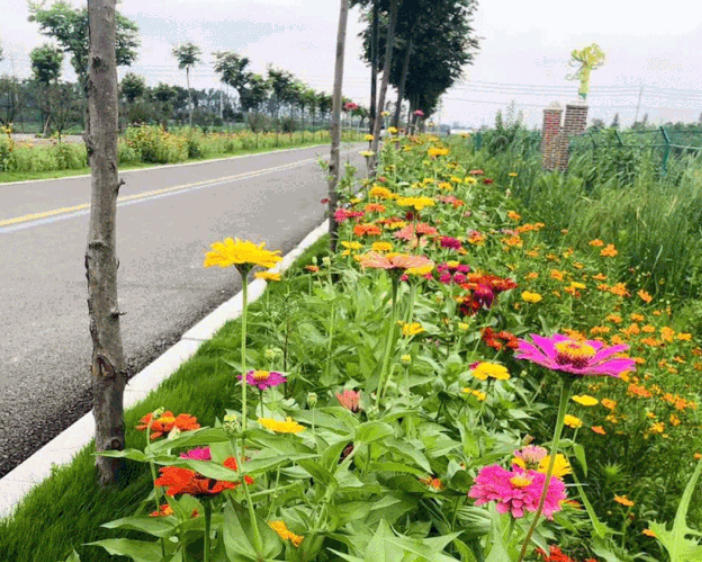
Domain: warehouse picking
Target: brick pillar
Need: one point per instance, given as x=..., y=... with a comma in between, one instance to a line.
x=575, y=122
x=550, y=134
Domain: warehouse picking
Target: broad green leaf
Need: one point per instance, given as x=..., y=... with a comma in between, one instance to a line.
x=237, y=544
x=138, y=551
x=498, y=552
x=132, y=454
x=396, y=467
x=189, y=439
x=372, y=431
x=73, y=557
x=155, y=526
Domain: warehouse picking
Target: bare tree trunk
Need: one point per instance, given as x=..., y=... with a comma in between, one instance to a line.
x=374, y=66
x=190, y=98
x=390, y=43
x=108, y=365
x=335, y=160
x=403, y=80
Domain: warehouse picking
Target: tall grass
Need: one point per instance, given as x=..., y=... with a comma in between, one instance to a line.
x=616, y=194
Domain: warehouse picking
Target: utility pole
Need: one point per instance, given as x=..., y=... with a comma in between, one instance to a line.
x=438, y=126
x=638, y=105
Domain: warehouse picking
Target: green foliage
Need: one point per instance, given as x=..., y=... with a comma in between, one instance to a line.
x=46, y=63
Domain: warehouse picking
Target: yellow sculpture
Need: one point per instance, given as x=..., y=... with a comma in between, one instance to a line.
x=588, y=59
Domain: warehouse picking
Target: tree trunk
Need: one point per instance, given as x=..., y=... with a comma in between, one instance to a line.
x=374, y=67
x=403, y=80
x=335, y=160
x=384, y=84
x=190, y=98
x=108, y=365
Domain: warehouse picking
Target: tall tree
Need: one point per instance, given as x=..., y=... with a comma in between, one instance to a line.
x=46, y=71
x=108, y=365
x=282, y=83
x=335, y=158
x=188, y=55
x=389, y=45
x=69, y=27
x=255, y=92
x=232, y=69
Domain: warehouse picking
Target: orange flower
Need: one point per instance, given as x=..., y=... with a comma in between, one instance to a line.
x=623, y=500
x=620, y=290
x=166, y=423
x=312, y=268
x=434, y=483
x=374, y=208
x=366, y=229
x=645, y=296
x=609, y=251
x=598, y=429
x=638, y=391
x=596, y=243
x=185, y=481
x=599, y=277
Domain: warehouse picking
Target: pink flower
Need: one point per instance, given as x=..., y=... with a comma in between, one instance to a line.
x=198, y=454
x=516, y=491
x=350, y=399
x=341, y=215
x=264, y=379
x=419, y=113
x=350, y=106
x=531, y=455
x=583, y=358
x=451, y=243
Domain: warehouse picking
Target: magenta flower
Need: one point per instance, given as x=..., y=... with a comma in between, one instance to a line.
x=342, y=215
x=419, y=113
x=198, y=454
x=583, y=358
x=350, y=399
x=264, y=379
x=516, y=491
x=451, y=243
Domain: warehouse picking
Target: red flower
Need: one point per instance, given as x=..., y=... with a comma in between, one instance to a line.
x=166, y=423
x=487, y=181
x=185, y=481
x=555, y=555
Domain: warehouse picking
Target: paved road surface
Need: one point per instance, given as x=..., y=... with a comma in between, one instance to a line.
x=165, y=223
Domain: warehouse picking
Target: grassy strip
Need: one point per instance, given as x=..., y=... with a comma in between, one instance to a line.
x=8, y=177
x=66, y=510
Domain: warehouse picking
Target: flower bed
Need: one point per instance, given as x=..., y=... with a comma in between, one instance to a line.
x=404, y=404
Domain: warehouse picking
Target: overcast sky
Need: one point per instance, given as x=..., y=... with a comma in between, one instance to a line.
x=652, y=48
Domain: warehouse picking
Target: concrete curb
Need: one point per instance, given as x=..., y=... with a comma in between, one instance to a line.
x=61, y=450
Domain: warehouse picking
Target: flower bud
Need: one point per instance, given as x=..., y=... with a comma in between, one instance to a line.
x=406, y=359
x=312, y=399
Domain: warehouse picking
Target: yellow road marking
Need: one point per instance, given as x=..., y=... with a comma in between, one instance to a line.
x=73, y=209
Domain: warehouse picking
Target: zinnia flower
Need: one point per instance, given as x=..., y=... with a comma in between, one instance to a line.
x=350, y=399
x=581, y=358
x=241, y=253
x=482, y=371
x=198, y=454
x=185, y=481
x=287, y=426
x=264, y=379
x=400, y=263
x=516, y=491
x=166, y=422
x=282, y=529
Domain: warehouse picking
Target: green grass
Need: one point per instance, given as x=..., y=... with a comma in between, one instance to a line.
x=66, y=510
x=7, y=177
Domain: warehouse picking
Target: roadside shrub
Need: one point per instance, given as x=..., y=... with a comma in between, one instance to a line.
x=70, y=156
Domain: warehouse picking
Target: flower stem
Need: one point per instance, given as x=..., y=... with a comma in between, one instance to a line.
x=382, y=382
x=208, y=518
x=562, y=407
x=244, y=384
x=157, y=495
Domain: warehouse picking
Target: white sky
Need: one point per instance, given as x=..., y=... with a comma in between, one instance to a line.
x=523, y=56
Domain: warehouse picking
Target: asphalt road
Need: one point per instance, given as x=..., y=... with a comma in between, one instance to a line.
x=165, y=223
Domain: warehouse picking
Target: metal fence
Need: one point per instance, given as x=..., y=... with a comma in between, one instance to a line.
x=665, y=140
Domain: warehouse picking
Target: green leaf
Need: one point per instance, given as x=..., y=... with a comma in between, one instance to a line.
x=396, y=467
x=675, y=541
x=154, y=526
x=189, y=439
x=73, y=557
x=132, y=454
x=498, y=552
x=579, y=451
x=373, y=431
x=138, y=551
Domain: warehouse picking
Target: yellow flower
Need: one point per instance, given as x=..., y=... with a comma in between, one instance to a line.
x=435, y=151
x=417, y=202
x=531, y=297
x=561, y=466
x=351, y=245
x=392, y=130
x=463, y=326
x=267, y=276
x=479, y=394
x=287, y=426
x=585, y=400
x=624, y=501
x=381, y=192
x=381, y=246
x=512, y=174
x=573, y=422
x=367, y=153
x=649, y=533
x=514, y=216
x=282, y=529
x=241, y=253
x=412, y=329
x=484, y=370
x=368, y=138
